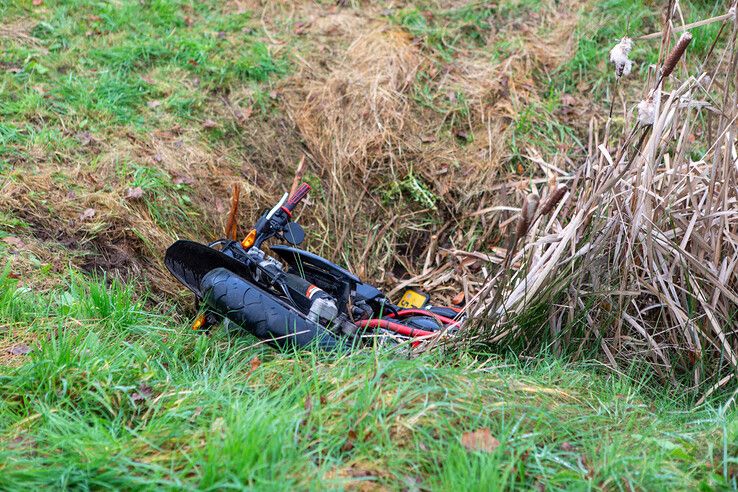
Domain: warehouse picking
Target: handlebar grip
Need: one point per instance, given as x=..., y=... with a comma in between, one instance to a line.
x=297, y=196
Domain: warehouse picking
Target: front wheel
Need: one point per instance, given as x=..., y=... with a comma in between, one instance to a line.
x=260, y=313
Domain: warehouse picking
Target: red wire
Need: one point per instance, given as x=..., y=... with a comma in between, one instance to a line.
x=409, y=312
x=396, y=327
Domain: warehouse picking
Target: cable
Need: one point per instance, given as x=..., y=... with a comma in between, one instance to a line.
x=392, y=326
x=422, y=312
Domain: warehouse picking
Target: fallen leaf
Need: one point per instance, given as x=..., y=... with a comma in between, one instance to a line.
x=568, y=100
x=255, y=363
x=14, y=242
x=87, y=214
x=458, y=299
x=273, y=94
x=180, y=179
x=85, y=138
x=144, y=392
x=23, y=441
x=19, y=349
x=37, y=3
x=462, y=135
x=349, y=444
x=134, y=193
x=209, y=124
x=428, y=138
x=567, y=447
x=480, y=440
x=154, y=104
x=244, y=114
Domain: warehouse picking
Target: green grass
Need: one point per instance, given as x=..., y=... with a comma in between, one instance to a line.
x=117, y=395
x=603, y=24
x=94, y=66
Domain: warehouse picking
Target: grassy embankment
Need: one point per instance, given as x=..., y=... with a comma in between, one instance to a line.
x=121, y=125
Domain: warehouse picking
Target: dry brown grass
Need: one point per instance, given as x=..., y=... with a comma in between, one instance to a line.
x=354, y=104
x=352, y=108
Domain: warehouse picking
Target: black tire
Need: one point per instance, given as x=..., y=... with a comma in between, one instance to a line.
x=259, y=312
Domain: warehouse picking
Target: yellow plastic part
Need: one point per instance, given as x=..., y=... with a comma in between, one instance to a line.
x=413, y=299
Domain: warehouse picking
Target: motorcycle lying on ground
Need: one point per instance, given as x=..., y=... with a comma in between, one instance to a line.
x=297, y=299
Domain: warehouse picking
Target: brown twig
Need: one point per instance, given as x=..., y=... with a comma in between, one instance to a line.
x=231, y=228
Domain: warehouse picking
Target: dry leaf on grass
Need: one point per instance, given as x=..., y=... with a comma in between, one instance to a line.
x=14, y=242
x=134, y=193
x=349, y=444
x=144, y=392
x=181, y=179
x=19, y=349
x=209, y=124
x=255, y=363
x=87, y=214
x=85, y=138
x=480, y=440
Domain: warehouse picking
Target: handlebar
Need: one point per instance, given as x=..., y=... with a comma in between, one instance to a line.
x=300, y=193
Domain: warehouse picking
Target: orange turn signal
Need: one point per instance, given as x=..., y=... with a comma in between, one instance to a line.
x=199, y=321
x=248, y=241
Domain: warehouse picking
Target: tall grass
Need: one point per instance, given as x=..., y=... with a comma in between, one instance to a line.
x=638, y=260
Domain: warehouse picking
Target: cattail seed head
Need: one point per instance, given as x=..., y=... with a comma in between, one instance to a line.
x=619, y=57
x=553, y=199
x=646, y=112
x=676, y=54
x=526, y=214
x=521, y=227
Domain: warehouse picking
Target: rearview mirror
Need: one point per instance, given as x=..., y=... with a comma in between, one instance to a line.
x=293, y=233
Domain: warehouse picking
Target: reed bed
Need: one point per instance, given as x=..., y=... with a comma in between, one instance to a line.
x=634, y=254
